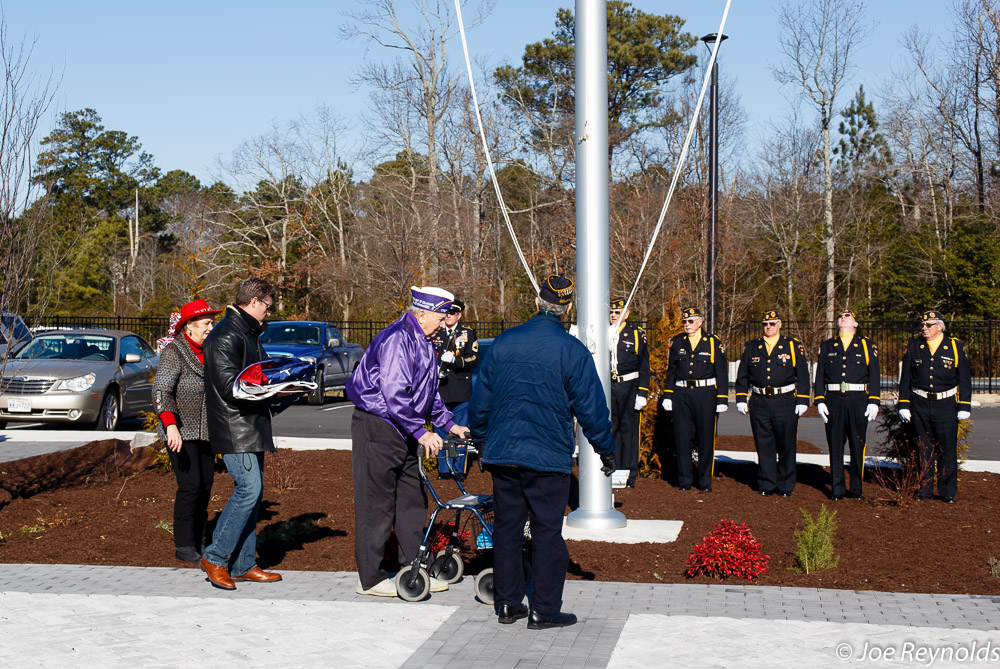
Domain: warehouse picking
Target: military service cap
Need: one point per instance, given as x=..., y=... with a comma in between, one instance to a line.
x=457, y=307
x=932, y=316
x=618, y=303
x=691, y=312
x=557, y=289
x=770, y=315
x=847, y=311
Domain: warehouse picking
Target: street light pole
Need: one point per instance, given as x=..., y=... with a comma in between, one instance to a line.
x=712, y=306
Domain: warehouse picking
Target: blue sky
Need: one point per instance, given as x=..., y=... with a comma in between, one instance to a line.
x=193, y=79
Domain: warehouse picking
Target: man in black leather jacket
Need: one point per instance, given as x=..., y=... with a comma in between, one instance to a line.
x=239, y=431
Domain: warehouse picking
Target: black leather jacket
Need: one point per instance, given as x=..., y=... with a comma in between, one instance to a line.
x=234, y=426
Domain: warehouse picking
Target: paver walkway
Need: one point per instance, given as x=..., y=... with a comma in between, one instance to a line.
x=118, y=617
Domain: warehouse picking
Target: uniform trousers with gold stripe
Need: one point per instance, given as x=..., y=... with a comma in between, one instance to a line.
x=625, y=426
x=847, y=422
x=695, y=422
x=775, y=430
x=936, y=425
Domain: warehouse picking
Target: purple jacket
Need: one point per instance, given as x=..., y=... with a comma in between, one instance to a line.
x=397, y=380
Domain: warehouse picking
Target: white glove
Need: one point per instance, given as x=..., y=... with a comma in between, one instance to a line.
x=800, y=409
x=742, y=407
x=640, y=402
x=447, y=357
x=668, y=404
x=721, y=408
x=613, y=338
x=824, y=413
x=871, y=412
x=964, y=415
x=904, y=415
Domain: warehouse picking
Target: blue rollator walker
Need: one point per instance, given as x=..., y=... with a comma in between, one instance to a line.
x=413, y=580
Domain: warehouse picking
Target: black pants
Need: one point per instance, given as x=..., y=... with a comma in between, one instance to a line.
x=775, y=430
x=625, y=426
x=388, y=493
x=695, y=420
x=936, y=425
x=194, y=467
x=847, y=421
x=520, y=494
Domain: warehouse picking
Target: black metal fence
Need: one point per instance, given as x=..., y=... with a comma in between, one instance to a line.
x=981, y=338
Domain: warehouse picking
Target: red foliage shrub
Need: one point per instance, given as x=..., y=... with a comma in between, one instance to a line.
x=442, y=538
x=728, y=550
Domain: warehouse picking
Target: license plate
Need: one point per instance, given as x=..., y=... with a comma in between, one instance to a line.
x=19, y=406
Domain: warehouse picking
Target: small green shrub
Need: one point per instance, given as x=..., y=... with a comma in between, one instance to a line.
x=164, y=525
x=814, y=542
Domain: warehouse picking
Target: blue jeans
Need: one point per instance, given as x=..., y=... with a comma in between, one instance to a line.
x=461, y=417
x=234, y=543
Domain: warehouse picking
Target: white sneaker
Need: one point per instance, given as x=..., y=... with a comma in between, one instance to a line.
x=437, y=585
x=384, y=588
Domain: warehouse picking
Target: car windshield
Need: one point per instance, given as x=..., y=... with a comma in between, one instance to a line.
x=69, y=347
x=285, y=333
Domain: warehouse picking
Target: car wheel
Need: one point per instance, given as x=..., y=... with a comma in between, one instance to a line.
x=107, y=418
x=317, y=396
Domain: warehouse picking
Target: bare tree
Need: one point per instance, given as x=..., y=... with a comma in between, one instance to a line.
x=818, y=38
x=23, y=219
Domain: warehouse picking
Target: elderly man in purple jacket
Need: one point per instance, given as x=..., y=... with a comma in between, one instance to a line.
x=395, y=394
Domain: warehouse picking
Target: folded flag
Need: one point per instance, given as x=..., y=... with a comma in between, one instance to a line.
x=271, y=376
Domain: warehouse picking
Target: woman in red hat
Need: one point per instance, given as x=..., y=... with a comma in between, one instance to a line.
x=179, y=396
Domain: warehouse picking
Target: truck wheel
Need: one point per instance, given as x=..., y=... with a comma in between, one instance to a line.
x=317, y=396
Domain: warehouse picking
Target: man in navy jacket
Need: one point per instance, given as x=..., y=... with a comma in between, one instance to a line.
x=534, y=380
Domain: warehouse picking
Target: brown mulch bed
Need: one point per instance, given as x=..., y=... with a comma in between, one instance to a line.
x=83, y=506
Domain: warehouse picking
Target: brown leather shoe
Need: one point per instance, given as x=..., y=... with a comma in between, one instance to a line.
x=258, y=575
x=218, y=576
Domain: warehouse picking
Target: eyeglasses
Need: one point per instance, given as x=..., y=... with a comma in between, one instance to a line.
x=846, y=315
x=770, y=324
x=267, y=305
x=928, y=325
x=690, y=321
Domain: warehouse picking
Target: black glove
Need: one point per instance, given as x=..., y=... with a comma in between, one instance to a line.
x=609, y=464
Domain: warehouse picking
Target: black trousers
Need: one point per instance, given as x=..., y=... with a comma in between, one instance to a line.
x=775, y=431
x=194, y=468
x=847, y=422
x=625, y=426
x=388, y=493
x=936, y=425
x=520, y=494
x=695, y=421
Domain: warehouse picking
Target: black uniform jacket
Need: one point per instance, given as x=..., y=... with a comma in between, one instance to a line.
x=633, y=355
x=938, y=373
x=785, y=365
x=704, y=361
x=856, y=364
x=456, y=386
x=234, y=425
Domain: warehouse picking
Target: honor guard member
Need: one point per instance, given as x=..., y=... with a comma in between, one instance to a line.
x=697, y=390
x=629, y=387
x=847, y=393
x=935, y=392
x=458, y=352
x=772, y=383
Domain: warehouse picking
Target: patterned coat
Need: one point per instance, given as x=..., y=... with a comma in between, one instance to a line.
x=179, y=387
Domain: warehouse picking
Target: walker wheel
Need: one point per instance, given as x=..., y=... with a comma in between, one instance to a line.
x=484, y=586
x=418, y=589
x=447, y=566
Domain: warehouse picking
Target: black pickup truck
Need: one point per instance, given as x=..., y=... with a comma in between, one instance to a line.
x=318, y=342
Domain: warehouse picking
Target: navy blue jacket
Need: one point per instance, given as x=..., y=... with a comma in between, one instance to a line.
x=532, y=382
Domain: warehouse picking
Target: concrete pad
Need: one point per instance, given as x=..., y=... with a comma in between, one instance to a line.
x=650, y=640
x=634, y=532
x=115, y=630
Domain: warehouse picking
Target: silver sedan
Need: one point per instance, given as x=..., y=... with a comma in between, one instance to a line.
x=92, y=377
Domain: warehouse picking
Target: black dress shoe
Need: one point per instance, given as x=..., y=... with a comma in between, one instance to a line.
x=683, y=487
x=705, y=489
x=542, y=621
x=765, y=493
x=187, y=554
x=784, y=494
x=508, y=613
x=860, y=498
x=836, y=498
x=948, y=500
